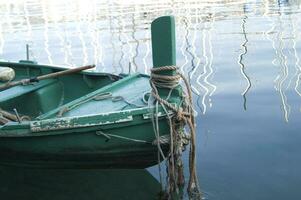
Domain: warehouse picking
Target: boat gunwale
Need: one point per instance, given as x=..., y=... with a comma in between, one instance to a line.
x=43, y=127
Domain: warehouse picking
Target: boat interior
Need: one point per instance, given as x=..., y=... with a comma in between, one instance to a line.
x=39, y=99
x=77, y=94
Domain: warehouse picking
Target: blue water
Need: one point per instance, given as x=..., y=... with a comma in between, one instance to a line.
x=242, y=58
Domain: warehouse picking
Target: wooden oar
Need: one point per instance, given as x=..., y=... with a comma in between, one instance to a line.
x=3, y=120
x=43, y=77
x=8, y=115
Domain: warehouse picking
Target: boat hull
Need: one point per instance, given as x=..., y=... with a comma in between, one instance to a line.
x=128, y=147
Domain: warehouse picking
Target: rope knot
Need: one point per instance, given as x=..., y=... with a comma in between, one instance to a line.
x=180, y=114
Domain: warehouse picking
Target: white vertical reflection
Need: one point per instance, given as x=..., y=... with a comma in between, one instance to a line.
x=135, y=42
x=27, y=20
x=122, y=56
x=297, y=75
x=282, y=62
x=82, y=40
x=196, y=66
x=68, y=58
x=46, y=31
x=203, y=79
x=184, y=45
x=147, y=53
x=94, y=35
x=1, y=38
x=112, y=31
x=276, y=34
x=200, y=77
x=210, y=73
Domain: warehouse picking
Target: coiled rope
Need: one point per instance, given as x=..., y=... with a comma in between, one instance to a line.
x=183, y=115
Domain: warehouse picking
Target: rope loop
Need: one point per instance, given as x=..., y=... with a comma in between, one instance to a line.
x=165, y=81
x=164, y=68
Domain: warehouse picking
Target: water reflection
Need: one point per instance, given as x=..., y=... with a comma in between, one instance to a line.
x=34, y=184
x=208, y=67
x=242, y=65
x=278, y=44
x=297, y=76
x=147, y=53
x=198, y=30
x=112, y=42
x=121, y=46
x=46, y=33
x=136, y=43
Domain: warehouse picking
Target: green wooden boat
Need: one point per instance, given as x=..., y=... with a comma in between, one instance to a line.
x=84, y=119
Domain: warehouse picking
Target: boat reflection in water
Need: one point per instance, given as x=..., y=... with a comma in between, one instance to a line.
x=32, y=184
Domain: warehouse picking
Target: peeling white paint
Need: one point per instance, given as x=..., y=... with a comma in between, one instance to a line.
x=160, y=114
x=51, y=125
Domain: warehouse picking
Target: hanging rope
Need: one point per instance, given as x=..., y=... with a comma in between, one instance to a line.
x=183, y=115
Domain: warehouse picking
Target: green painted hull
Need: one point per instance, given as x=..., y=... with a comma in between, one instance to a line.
x=74, y=125
x=82, y=150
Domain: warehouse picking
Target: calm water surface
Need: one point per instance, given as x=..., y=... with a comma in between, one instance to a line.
x=242, y=58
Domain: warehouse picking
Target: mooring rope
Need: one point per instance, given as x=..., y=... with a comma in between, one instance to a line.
x=183, y=116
